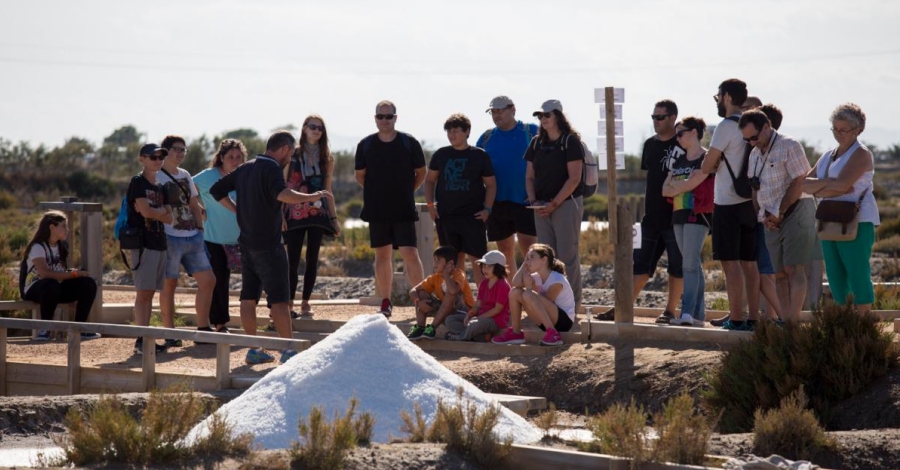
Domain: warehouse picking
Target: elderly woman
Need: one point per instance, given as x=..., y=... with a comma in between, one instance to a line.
x=845, y=174
x=554, y=161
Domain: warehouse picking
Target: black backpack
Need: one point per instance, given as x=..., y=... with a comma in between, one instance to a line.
x=741, y=181
x=23, y=271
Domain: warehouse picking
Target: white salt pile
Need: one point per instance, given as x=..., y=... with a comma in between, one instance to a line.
x=367, y=358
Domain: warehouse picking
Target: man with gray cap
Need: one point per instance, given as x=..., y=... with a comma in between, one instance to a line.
x=510, y=220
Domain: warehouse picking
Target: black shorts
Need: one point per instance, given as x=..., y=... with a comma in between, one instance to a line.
x=466, y=235
x=395, y=234
x=734, y=232
x=654, y=241
x=267, y=270
x=508, y=218
x=563, y=322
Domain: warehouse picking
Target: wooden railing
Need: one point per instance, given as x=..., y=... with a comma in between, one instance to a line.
x=223, y=344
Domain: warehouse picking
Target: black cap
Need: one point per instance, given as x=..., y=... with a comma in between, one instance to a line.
x=152, y=149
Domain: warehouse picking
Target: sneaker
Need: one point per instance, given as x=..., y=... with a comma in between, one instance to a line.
x=699, y=323
x=732, y=326
x=294, y=315
x=205, y=328
x=258, y=356
x=173, y=343
x=287, y=354
x=386, y=308
x=429, y=332
x=685, y=320
x=415, y=332
x=223, y=329
x=453, y=336
x=666, y=318
x=552, y=338
x=139, y=347
x=719, y=321
x=609, y=315
x=509, y=337
x=86, y=336
x=42, y=335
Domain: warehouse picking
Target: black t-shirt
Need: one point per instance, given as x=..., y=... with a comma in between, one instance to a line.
x=154, y=232
x=550, y=161
x=459, y=191
x=683, y=204
x=389, y=186
x=258, y=184
x=656, y=159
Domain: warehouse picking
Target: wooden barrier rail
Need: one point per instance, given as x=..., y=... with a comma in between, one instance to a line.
x=223, y=344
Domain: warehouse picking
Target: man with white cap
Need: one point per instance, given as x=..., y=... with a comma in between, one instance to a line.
x=510, y=221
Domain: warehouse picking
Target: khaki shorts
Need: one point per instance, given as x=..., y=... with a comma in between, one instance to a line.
x=793, y=244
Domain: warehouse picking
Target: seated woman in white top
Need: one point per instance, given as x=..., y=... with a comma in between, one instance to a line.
x=540, y=288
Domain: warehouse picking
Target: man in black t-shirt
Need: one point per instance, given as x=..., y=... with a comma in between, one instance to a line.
x=462, y=184
x=261, y=191
x=657, y=235
x=390, y=166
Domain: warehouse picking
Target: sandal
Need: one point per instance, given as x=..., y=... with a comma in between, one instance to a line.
x=609, y=315
x=666, y=318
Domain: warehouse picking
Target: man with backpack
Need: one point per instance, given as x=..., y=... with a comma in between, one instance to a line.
x=390, y=166
x=510, y=220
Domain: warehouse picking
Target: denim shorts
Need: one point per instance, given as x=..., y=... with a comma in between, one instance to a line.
x=187, y=251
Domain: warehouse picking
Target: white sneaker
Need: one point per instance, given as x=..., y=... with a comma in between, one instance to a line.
x=686, y=319
x=699, y=323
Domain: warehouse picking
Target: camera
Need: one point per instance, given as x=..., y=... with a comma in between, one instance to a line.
x=754, y=183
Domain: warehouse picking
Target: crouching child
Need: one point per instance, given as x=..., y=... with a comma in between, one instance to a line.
x=445, y=292
x=490, y=314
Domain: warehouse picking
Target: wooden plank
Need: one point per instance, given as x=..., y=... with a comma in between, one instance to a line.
x=3, y=337
x=486, y=348
x=104, y=380
x=520, y=404
x=36, y=374
x=223, y=366
x=668, y=333
x=198, y=383
x=524, y=457
x=17, y=305
x=19, y=389
x=897, y=326
x=623, y=250
x=74, y=362
x=148, y=364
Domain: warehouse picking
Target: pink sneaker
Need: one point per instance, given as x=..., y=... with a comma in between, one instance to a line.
x=552, y=338
x=509, y=337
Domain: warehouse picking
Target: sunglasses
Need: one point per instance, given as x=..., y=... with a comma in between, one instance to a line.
x=752, y=138
x=156, y=157
x=314, y=127
x=382, y=117
x=659, y=117
x=682, y=132
x=545, y=115
x=178, y=149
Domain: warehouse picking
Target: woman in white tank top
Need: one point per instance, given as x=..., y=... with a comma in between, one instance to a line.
x=850, y=168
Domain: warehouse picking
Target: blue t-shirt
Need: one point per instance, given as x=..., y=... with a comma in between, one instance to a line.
x=507, y=149
x=221, y=224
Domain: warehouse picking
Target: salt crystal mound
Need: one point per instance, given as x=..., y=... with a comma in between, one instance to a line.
x=367, y=358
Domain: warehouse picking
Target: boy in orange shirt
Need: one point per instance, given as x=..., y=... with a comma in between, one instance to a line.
x=440, y=294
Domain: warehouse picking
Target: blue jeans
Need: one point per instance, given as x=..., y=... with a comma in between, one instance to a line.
x=690, y=239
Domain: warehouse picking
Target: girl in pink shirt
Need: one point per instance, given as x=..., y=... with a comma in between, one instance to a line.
x=490, y=314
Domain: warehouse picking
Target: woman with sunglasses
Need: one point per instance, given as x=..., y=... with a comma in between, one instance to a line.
x=310, y=170
x=692, y=207
x=221, y=230
x=553, y=183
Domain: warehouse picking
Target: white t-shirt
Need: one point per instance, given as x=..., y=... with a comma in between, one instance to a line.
x=54, y=262
x=566, y=298
x=728, y=139
x=183, y=225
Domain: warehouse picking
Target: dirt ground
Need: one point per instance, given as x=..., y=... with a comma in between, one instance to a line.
x=577, y=379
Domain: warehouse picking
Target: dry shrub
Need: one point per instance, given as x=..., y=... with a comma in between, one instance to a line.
x=324, y=445
x=791, y=430
x=595, y=247
x=547, y=420
x=834, y=357
x=415, y=426
x=620, y=431
x=887, y=297
x=109, y=433
x=683, y=432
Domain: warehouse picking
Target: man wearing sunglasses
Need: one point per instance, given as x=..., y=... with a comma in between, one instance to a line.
x=390, y=166
x=657, y=234
x=778, y=166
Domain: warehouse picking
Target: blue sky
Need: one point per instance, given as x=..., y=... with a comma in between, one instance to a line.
x=85, y=68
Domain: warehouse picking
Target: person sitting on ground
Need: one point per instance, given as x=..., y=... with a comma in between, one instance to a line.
x=440, y=294
x=490, y=314
x=541, y=288
x=49, y=280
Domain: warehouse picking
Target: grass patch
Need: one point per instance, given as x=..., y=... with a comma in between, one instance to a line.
x=324, y=445
x=834, y=357
x=791, y=430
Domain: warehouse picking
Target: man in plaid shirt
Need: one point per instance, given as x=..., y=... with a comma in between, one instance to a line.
x=777, y=168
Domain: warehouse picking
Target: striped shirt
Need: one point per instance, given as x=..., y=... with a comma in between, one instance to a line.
x=782, y=163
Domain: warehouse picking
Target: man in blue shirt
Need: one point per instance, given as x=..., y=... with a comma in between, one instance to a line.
x=510, y=219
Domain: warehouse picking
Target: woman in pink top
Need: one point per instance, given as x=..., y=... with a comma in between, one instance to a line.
x=490, y=314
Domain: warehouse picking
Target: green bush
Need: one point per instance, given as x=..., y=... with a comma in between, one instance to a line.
x=620, y=431
x=596, y=206
x=7, y=200
x=324, y=445
x=791, y=430
x=888, y=228
x=834, y=357
x=683, y=432
x=889, y=245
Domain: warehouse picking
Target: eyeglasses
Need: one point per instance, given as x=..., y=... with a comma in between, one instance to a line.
x=315, y=127
x=545, y=115
x=717, y=97
x=178, y=149
x=156, y=157
x=659, y=117
x=382, y=117
x=682, y=132
x=752, y=138
x=842, y=131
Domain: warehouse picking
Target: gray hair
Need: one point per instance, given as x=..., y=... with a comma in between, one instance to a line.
x=851, y=113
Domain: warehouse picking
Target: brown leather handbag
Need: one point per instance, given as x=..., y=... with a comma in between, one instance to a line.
x=838, y=220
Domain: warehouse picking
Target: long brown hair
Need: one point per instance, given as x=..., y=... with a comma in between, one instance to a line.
x=324, y=149
x=546, y=251
x=42, y=235
x=224, y=147
x=565, y=127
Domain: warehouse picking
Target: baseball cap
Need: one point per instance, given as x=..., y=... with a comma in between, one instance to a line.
x=548, y=106
x=500, y=102
x=151, y=149
x=493, y=257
